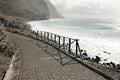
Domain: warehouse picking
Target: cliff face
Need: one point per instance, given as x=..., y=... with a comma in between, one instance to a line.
x=30, y=9
x=52, y=10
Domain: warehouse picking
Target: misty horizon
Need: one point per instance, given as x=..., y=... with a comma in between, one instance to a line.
x=88, y=8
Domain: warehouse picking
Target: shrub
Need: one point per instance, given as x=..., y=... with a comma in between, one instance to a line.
x=97, y=59
x=6, y=48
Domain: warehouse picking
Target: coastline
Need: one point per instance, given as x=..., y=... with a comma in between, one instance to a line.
x=96, y=42
x=111, y=72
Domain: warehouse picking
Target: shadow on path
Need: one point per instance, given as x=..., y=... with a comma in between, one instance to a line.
x=56, y=54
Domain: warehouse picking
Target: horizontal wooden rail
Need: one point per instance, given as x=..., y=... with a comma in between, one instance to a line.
x=67, y=45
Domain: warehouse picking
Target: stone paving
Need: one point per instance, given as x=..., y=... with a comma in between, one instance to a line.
x=38, y=64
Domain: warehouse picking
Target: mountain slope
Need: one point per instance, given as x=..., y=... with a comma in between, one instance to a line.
x=30, y=9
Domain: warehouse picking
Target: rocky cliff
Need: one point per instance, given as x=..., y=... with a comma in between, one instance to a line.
x=30, y=9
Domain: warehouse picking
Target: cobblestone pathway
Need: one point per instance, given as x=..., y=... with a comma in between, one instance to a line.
x=37, y=64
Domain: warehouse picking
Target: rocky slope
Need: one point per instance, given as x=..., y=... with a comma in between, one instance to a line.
x=30, y=9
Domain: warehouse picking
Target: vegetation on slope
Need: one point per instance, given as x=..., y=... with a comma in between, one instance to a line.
x=6, y=52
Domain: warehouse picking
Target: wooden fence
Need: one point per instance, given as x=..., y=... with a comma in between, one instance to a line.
x=66, y=45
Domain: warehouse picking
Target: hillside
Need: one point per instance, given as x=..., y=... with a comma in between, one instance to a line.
x=29, y=9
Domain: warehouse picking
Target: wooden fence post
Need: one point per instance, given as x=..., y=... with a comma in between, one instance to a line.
x=41, y=35
x=45, y=36
x=76, y=48
x=81, y=56
x=37, y=36
x=58, y=41
x=69, y=48
x=51, y=38
x=63, y=43
x=55, y=40
x=48, y=37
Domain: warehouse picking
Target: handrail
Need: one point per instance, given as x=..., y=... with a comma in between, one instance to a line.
x=67, y=45
x=57, y=34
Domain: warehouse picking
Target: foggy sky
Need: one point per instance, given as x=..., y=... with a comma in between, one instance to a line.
x=88, y=8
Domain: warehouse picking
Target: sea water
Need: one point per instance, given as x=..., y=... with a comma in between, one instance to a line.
x=99, y=37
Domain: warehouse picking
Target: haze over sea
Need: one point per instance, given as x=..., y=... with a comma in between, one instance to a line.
x=99, y=32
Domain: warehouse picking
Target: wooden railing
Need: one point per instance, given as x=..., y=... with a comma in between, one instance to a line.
x=66, y=45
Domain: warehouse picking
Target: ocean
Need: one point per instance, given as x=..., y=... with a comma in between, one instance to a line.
x=97, y=36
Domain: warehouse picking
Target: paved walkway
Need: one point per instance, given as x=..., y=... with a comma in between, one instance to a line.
x=37, y=64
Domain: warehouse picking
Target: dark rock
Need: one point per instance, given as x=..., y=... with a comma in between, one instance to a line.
x=118, y=66
x=97, y=59
x=109, y=53
x=105, y=59
x=112, y=64
x=81, y=50
x=85, y=54
x=105, y=51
